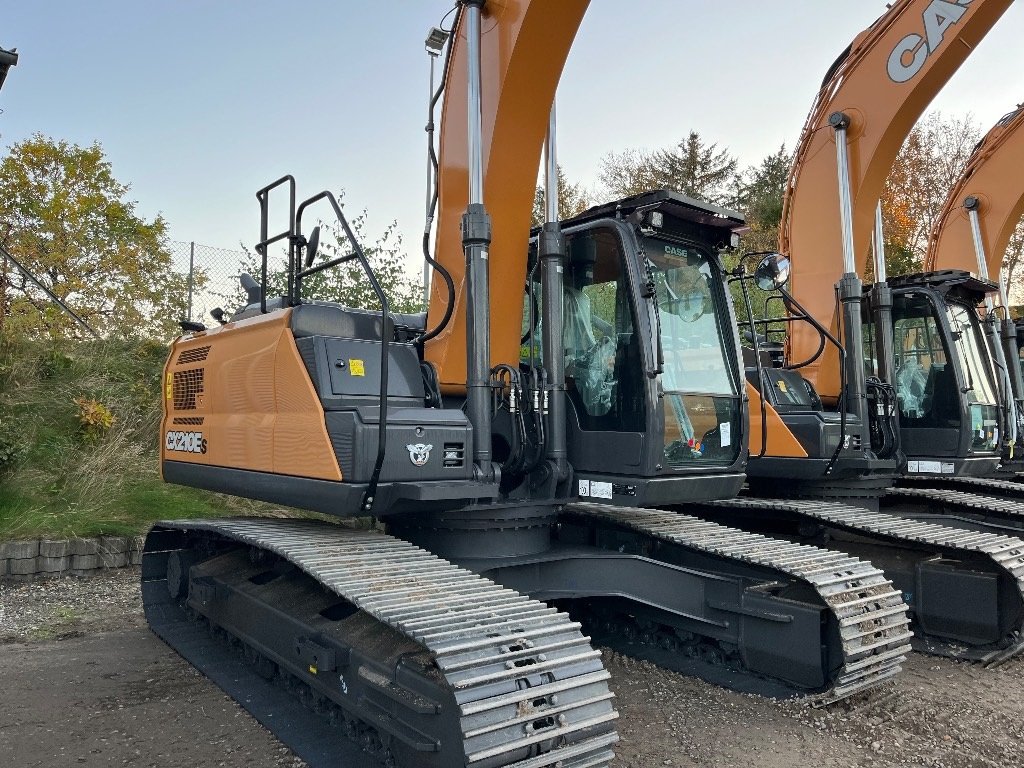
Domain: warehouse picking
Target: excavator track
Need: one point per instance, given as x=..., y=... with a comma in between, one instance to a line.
x=948, y=548
x=988, y=486
x=477, y=675
x=990, y=512
x=869, y=612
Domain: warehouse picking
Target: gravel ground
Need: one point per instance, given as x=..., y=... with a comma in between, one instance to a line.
x=136, y=703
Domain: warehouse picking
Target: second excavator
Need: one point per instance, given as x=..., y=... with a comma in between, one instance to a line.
x=833, y=421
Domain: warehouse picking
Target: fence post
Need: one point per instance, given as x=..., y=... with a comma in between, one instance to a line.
x=191, y=273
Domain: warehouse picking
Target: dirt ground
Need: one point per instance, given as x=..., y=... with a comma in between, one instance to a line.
x=84, y=683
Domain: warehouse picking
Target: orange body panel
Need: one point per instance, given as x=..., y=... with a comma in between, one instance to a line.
x=523, y=51
x=243, y=389
x=781, y=441
x=993, y=176
x=921, y=41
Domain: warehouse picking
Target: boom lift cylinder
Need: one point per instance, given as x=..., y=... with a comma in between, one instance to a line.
x=850, y=287
x=476, y=240
x=881, y=303
x=551, y=249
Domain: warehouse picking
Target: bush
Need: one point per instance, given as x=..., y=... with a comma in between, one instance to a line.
x=12, y=444
x=95, y=418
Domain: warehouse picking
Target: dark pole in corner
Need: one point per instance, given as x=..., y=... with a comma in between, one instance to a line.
x=8, y=59
x=476, y=241
x=551, y=250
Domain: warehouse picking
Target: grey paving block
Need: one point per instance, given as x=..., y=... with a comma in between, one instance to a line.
x=110, y=544
x=19, y=550
x=83, y=546
x=21, y=566
x=52, y=564
x=114, y=559
x=3, y=566
x=136, y=557
x=136, y=543
x=85, y=562
x=53, y=548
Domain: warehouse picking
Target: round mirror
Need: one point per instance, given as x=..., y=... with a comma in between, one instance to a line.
x=772, y=272
x=311, y=246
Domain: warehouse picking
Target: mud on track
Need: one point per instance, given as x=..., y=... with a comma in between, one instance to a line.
x=84, y=683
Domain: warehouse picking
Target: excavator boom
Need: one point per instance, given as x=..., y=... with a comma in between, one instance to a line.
x=992, y=179
x=882, y=83
x=523, y=49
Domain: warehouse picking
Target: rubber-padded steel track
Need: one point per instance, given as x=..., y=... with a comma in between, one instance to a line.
x=468, y=624
x=870, y=613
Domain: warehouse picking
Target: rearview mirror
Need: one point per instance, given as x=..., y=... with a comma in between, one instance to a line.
x=772, y=272
x=311, y=246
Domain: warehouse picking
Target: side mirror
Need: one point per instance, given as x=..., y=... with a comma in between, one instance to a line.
x=311, y=246
x=772, y=272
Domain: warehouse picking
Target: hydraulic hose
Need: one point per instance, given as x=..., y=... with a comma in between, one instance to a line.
x=445, y=275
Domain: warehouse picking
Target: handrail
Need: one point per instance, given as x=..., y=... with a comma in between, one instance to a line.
x=263, y=195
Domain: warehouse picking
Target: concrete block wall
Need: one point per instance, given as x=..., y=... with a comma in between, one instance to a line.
x=21, y=560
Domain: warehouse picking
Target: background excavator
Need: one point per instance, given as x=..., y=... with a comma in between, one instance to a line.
x=831, y=414
x=429, y=644
x=972, y=234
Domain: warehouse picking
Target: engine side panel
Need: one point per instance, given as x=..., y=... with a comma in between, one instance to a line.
x=239, y=396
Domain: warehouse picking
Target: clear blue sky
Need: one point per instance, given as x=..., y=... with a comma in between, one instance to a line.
x=199, y=103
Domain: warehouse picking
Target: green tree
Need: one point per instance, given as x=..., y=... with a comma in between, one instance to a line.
x=572, y=199
x=694, y=167
x=930, y=161
x=347, y=283
x=66, y=217
x=759, y=192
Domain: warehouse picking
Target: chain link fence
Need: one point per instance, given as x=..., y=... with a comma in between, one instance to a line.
x=212, y=275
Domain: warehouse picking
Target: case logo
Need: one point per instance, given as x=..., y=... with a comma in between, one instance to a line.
x=419, y=453
x=185, y=442
x=911, y=53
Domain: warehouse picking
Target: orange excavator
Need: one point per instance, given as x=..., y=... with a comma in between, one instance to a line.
x=972, y=233
x=834, y=414
x=441, y=641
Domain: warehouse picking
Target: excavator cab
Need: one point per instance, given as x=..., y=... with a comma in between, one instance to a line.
x=949, y=405
x=655, y=413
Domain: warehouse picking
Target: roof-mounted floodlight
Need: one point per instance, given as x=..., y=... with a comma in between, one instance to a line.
x=436, y=39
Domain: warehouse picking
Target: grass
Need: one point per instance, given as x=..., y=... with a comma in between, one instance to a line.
x=58, y=479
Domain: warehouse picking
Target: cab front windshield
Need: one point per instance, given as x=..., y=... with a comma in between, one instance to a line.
x=701, y=391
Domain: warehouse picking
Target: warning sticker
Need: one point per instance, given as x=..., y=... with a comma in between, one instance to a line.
x=356, y=367
x=170, y=386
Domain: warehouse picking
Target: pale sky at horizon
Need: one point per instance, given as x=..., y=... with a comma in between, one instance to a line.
x=199, y=104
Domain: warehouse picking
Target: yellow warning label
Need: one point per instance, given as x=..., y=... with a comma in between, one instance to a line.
x=782, y=385
x=356, y=367
x=170, y=386
x=312, y=669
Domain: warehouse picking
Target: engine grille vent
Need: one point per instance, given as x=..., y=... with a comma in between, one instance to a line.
x=187, y=384
x=192, y=421
x=196, y=355
x=454, y=454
